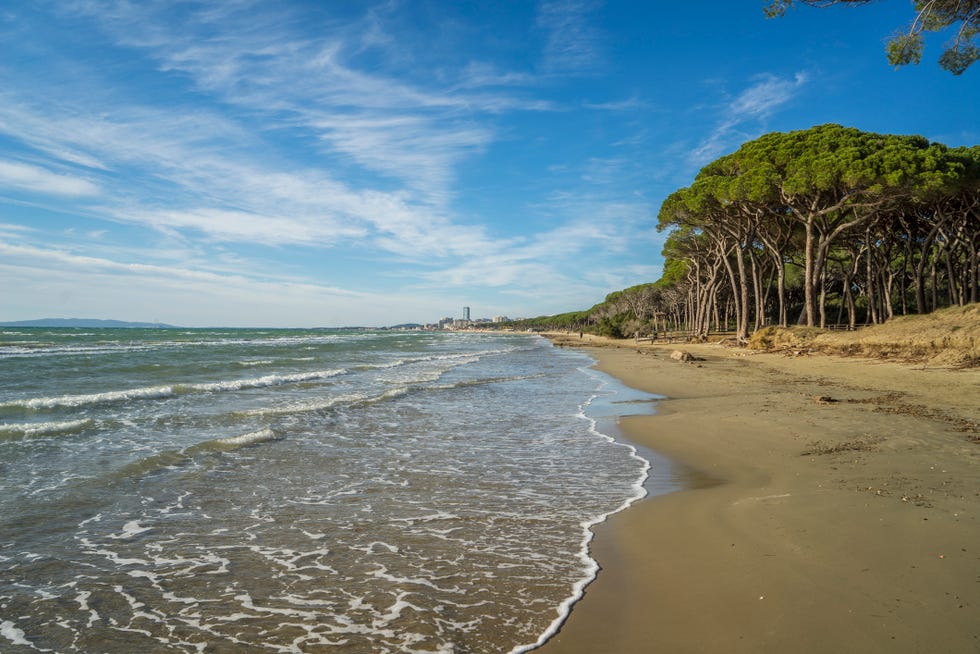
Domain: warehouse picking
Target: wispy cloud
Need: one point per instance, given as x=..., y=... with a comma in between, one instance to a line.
x=630, y=104
x=255, y=57
x=744, y=116
x=567, y=257
x=58, y=259
x=23, y=176
x=769, y=92
x=198, y=171
x=384, y=148
x=572, y=43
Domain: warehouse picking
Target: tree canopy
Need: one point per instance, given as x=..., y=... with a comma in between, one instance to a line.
x=930, y=16
x=828, y=226
x=829, y=200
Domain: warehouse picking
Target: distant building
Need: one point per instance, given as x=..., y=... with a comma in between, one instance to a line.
x=466, y=314
x=497, y=319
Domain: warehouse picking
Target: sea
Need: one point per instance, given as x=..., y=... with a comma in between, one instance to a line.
x=351, y=492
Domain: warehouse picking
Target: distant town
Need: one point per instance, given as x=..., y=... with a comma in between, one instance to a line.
x=454, y=324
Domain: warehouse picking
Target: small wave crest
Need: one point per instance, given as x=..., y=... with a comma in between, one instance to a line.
x=29, y=429
x=251, y=438
x=175, y=458
x=264, y=381
x=39, y=403
x=326, y=404
x=164, y=392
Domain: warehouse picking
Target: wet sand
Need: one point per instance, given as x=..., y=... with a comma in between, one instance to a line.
x=844, y=517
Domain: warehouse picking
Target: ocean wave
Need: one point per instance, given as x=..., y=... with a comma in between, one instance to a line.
x=185, y=456
x=420, y=384
x=481, y=382
x=38, y=403
x=29, y=429
x=325, y=404
x=262, y=382
x=169, y=391
x=462, y=357
x=251, y=438
x=45, y=349
x=34, y=348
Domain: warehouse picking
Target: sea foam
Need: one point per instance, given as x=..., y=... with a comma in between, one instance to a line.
x=29, y=429
x=37, y=403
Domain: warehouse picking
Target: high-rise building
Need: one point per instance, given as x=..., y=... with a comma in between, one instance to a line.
x=466, y=313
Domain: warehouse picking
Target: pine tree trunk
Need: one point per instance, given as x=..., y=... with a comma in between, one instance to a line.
x=809, y=283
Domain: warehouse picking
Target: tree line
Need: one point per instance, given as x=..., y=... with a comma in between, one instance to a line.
x=826, y=226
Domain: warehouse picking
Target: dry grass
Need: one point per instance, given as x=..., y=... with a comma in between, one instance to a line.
x=783, y=338
x=948, y=337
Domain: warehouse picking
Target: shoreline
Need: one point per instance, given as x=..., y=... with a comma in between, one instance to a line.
x=841, y=513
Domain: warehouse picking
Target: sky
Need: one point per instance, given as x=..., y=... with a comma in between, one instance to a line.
x=325, y=163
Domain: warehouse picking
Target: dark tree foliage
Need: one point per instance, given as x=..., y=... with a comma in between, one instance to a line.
x=930, y=16
x=826, y=218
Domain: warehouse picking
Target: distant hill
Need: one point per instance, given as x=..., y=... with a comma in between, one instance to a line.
x=84, y=322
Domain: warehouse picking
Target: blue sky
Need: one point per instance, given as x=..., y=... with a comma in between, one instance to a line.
x=331, y=163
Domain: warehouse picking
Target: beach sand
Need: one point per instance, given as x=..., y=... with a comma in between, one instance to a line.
x=843, y=516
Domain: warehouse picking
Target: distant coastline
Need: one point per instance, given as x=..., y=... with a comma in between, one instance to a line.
x=85, y=322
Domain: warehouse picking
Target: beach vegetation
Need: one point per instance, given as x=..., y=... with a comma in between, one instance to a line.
x=571, y=321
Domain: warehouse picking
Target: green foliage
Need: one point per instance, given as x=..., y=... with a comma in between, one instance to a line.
x=571, y=321
x=612, y=326
x=905, y=49
x=675, y=271
x=930, y=16
x=959, y=57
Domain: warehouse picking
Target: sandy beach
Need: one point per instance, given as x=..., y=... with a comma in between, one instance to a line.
x=837, y=509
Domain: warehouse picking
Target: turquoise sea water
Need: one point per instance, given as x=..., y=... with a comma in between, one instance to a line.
x=299, y=491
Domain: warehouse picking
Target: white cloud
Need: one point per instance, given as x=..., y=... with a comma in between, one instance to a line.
x=179, y=169
x=572, y=43
x=742, y=117
x=403, y=146
x=26, y=177
x=8, y=228
x=256, y=58
x=769, y=92
x=200, y=172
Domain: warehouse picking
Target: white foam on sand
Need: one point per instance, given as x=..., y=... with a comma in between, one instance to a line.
x=590, y=565
x=10, y=631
